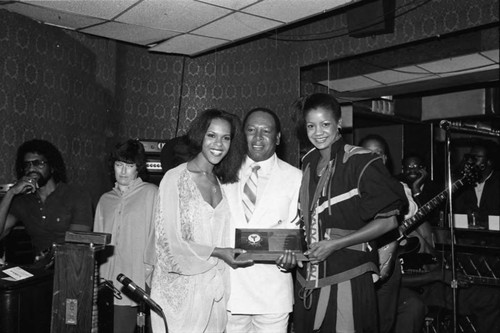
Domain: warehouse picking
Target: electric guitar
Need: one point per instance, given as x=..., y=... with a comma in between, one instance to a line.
x=387, y=254
x=415, y=263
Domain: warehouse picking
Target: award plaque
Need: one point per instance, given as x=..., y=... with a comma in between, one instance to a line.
x=266, y=245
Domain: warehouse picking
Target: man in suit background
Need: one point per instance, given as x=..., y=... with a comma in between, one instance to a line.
x=482, y=199
x=262, y=295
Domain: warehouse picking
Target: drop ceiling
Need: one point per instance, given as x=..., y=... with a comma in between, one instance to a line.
x=470, y=68
x=188, y=27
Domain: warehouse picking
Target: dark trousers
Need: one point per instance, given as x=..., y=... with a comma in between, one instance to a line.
x=125, y=319
x=387, y=299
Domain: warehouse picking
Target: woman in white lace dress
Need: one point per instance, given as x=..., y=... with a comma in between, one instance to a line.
x=190, y=280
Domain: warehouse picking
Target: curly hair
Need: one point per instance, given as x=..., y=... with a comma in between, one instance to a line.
x=47, y=150
x=227, y=169
x=131, y=152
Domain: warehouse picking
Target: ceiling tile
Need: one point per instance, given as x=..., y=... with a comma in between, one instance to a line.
x=64, y=20
x=350, y=84
x=291, y=10
x=130, y=33
x=456, y=64
x=473, y=70
x=148, y=21
x=175, y=15
x=399, y=74
x=491, y=54
x=236, y=26
x=97, y=8
x=188, y=44
x=231, y=4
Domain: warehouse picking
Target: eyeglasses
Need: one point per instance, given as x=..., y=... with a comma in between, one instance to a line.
x=473, y=157
x=39, y=164
x=413, y=167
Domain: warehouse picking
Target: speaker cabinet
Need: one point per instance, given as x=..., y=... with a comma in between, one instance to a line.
x=370, y=18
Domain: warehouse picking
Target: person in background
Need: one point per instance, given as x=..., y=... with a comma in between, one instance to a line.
x=431, y=285
x=423, y=189
x=41, y=198
x=191, y=276
x=481, y=199
x=126, y=212
x=174, y=152
x=253, y=307
x=426, y=282
x=388, y=286
x=348, y=199
x=415, y=175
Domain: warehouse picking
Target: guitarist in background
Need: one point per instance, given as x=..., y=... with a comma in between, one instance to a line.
x=431, y=287
x=388, y=286
x=415, y=175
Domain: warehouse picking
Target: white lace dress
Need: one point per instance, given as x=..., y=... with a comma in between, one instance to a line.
x=191, y=287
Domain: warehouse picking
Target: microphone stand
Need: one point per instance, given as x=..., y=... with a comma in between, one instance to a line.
x=141, y=318
x=454, y=282
x=162, y=315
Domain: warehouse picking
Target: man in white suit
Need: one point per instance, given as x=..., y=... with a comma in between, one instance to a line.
x=262, y=295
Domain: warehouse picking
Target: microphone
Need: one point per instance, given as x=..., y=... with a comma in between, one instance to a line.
x=445, y=124
x=139, y=293
x=461, y=126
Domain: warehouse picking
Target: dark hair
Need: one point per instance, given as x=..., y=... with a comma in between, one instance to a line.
x=227, y=169
x=47, y=150
x=279, y=149
x=277, y=123
x=490, y=147
x=385, y=146
x=314, y=101
x=132, y=152
x=174, y=152
x=300, y=128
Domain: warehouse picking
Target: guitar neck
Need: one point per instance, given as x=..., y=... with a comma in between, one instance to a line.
x=473, y=279
x=428, y=207
x=490, y=281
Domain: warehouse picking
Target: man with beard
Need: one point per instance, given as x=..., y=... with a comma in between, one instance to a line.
x=41, y=199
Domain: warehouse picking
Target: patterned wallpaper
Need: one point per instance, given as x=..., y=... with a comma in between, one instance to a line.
x=84, y=93
x=55, y=86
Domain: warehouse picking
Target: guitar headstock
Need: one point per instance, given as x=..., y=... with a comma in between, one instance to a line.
x=471, y=174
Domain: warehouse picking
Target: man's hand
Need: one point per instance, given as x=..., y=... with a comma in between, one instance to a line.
x=227, y=254
x=417, y=184
x=24, y=185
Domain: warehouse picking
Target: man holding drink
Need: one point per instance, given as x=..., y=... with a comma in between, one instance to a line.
x=41, y=199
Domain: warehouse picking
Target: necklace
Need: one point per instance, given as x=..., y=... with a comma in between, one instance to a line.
x=323, y=169
x=214, y=185
x=320, y=173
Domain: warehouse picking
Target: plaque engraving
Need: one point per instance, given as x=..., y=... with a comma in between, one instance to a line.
x=266, y=245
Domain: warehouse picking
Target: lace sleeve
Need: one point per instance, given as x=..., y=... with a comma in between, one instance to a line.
x=175, y=249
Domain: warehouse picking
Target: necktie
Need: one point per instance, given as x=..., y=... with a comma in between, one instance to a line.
x=250, y=192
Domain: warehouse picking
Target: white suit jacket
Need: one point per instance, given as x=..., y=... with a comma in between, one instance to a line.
x=263, y=288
